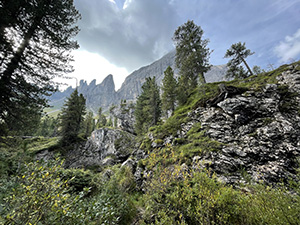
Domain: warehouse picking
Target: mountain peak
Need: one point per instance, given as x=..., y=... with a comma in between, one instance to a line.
x=108, y=82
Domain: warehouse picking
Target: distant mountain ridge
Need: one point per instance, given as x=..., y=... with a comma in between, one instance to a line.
x=104, y=94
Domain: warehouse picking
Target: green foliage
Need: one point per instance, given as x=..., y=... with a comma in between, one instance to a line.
x=148, y=107
x=89, y=124
x=257, y=70
x=78, y=179
x=236, y=72
x=125, y=144
x=45, y=31
x=277, y=205
x=169, y=89
x=175, y=195
x=71, y=117
x=45, y=193
x=238, y=52
x=37, y=144
x=101, y=119
x=192, y=54
x=47, y=127
x=198, y=97
x=26, y=123
x=41, y=197
x=192, y=58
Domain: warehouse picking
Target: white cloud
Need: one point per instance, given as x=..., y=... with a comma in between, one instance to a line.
x=289, y=48
x=126, y=3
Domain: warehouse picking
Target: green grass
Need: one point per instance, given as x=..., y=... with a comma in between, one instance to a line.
x=38, y=144
x=52, y=112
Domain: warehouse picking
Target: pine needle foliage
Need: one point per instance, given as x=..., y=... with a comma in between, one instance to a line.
x=72, y=117
x=169, y=88
x=148, y=106
x=36, y=38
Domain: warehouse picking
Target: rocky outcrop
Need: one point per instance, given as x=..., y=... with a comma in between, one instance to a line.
x=105, y=147
x=259, y=132
x=125, y=116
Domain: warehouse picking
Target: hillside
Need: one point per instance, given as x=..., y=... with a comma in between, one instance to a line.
x=228, y=156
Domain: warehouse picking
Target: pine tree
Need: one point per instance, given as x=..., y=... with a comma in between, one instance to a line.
x=192, y=55
x=238, y=52
x=101, y=119
x=89, y=124
x=148, y=106
x=44, y=30
x=169, y=88
x=71, y=117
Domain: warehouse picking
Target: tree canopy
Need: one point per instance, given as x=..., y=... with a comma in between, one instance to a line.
x=238, y=53
x=192, y=53
x=169, y=88
x=148, y=106
x=36, y=37
x=72, y=116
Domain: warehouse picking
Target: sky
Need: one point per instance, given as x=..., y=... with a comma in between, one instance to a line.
x=120, y=36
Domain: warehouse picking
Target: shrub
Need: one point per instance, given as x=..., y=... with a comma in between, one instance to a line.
x=41, y=197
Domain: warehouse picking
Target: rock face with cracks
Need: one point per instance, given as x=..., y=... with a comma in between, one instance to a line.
x=259, y=132
x=105, y=147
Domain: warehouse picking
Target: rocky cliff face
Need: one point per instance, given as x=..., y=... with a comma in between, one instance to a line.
x=105, y=147
x=259, y=132
x=125, y=116
x=104, y=94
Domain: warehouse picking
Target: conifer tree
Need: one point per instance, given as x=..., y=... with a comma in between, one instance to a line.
x=169, y=88
x=101, y=119
x=238, y=53
x=44, y=30
x=192, y=56
x=71, y=117
x=89, y=124
x=148, y=106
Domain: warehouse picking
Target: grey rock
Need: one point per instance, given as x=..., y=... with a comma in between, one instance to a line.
x=103, y=143
x=129, y=163
x=108, y=162
x=258, y=138
x=125, y=116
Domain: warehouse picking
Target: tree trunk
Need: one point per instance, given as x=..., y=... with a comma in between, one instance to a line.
x=202, y=78
x=14, y=62
x=244, y=61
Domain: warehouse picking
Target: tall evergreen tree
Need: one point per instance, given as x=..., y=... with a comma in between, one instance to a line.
x=89, y=124
x=148, y=106
x=238, y=53
x=169, y=88
x=192, y=54
x=101, y=119
x=71, y=117
x=36, y=37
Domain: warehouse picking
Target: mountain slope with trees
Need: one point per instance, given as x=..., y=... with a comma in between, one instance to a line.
x=228, y=154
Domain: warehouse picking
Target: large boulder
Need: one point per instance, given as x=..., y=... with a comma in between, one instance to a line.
x=105, y=146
